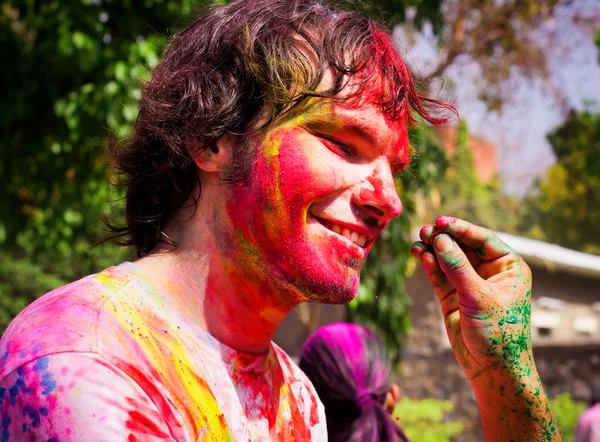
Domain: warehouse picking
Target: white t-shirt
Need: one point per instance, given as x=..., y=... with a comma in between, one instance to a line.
x=108, y=358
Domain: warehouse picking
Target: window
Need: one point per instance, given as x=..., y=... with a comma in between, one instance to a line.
x=544, y=332
x=585, y=325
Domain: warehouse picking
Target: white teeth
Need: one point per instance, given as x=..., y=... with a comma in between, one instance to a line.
x=347, y=233
x=361, y=240
x=353, y=236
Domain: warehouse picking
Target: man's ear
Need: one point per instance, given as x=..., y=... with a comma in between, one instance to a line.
x=216, y=157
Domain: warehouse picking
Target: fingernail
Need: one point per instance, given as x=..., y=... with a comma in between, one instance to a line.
x=443, y=242
x=426, y=234
x=418, y=245
x=443, y=222
x=417, y=249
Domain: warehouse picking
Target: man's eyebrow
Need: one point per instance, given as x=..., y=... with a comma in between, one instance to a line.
x=359, y=131
x=341, y=123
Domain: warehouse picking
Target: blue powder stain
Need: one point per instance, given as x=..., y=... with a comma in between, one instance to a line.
x=5, y=356
x=2, y=392
x=24, y=427
x=20, y=384
x=44, y=411
x=48, y=383
x=5, y=423
x=33, y=415
x=35, y=418
x=37, y=347
x=14, y=391
x=54, y=439
x=42, y=364
x=21, y=371
x=22, y=354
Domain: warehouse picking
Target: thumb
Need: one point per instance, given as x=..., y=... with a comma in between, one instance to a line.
x=454, y=263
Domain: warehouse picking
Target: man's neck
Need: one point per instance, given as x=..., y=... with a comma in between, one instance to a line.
x=241, y=312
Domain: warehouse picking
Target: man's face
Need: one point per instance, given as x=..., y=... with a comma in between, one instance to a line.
x=320, y=192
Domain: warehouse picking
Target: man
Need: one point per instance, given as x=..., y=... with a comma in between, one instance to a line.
x=259, y=175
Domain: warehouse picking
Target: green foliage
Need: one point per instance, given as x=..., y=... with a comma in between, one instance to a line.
x=459, y=192
x=73, y=78
x=566, y=412
x=395, y=11
x=565, y=209
x=19, y=278
x=426, y=421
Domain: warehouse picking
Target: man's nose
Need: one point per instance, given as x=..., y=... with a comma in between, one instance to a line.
x=377, y=194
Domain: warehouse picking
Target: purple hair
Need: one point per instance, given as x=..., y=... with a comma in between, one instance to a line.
x=349, y=367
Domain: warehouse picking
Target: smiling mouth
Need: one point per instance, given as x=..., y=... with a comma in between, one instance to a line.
x=357, y=238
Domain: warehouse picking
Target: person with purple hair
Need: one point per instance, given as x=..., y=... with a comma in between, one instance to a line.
x=349, y=367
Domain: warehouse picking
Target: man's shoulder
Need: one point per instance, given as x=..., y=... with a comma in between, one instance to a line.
x=290, y=369
x=298, y=381
x=63, y=320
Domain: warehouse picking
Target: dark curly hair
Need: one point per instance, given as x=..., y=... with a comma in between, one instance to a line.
x=233, y=64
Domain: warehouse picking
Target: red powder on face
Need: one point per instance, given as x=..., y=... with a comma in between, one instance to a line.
x=272, y=219
x=299, y=179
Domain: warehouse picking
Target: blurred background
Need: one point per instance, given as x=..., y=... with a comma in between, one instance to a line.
x=523, y=160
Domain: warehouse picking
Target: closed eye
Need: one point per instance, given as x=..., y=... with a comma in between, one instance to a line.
x=338, y=147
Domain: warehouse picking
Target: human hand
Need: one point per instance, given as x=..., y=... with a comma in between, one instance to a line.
x=484, y=289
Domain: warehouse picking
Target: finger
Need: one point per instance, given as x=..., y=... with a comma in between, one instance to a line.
x=426, y=233
x=472, y=255
x=453, y=329
x=454, y=263
x=484, y=241
x=442, y=287
x=418, y=248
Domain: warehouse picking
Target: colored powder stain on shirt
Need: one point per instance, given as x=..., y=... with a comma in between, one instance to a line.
x=34, y=415
x=37, y=347
x=168, y=379
x=138, y=422
x=13, y=391
x=6, y=421
x=42, y=364
x=48, y=383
